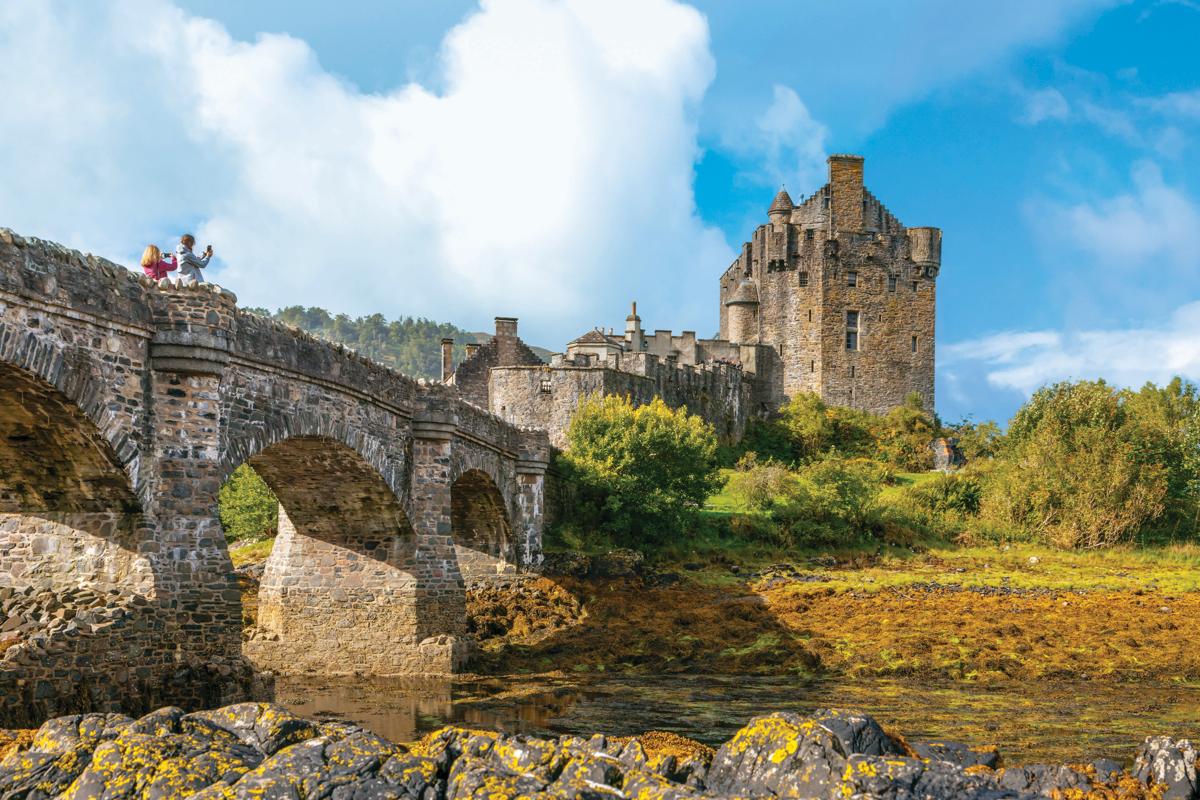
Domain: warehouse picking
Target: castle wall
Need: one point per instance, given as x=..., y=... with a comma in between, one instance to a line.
x=547, y=397
x=886, y=367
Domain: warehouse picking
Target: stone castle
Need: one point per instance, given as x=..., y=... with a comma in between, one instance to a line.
x=832, y=296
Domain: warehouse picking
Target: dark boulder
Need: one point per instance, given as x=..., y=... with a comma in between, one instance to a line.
x=958, y=753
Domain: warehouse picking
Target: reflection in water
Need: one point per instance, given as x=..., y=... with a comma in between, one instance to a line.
x=1029, y=722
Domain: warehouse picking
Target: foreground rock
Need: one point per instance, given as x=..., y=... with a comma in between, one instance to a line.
x=254, y=750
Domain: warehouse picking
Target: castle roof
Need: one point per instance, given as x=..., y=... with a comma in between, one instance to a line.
x=597, y=337
x=746, y=293
x=782, y=202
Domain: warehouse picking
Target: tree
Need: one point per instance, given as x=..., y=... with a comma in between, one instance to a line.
x=248, y=508
x=1071, y=470
x=643, y=472
x=904, y=435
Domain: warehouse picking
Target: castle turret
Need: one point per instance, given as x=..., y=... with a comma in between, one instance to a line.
x=781, y=208
x=743, y=313
x=925, y=247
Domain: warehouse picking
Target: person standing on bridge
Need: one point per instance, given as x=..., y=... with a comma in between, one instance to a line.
x=189, y=263
x=154, y=265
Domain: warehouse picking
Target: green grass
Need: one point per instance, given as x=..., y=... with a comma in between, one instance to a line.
x=251, y=552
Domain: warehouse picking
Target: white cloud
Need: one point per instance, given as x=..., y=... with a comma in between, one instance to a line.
x=789, y=145
x=551, y=172
x=1153, y=225
x=1025, y=361
x=1185, y=105
x=1045, y=104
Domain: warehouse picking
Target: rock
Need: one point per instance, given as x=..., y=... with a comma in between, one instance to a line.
x=1043, y=779
x=619, y=563
x=858, y=733
x=1170, y=762
x=958, y=753
x=781, y=755
x=1106, y=769
x=913, y=779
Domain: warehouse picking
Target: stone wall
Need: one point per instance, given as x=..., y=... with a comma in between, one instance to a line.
x=545, y=397
x=85, y=651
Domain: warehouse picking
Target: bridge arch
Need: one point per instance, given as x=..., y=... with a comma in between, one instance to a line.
x=342, y=590
x=245, y=442
x=69, y=514
x=481, y=527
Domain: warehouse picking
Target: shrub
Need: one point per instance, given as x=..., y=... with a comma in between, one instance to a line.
x=977, y=441
x=642, y=472
x=248, y=508
x=762, y=485
x=904, y=434
x=842, y=491
x=1071, y=472
x=952, y=493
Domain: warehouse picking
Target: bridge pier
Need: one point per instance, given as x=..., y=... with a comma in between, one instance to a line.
x=195, y=581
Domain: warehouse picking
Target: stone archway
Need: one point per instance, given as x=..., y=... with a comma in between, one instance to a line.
x=342, y=591
x=68, y=514
x=481, y=529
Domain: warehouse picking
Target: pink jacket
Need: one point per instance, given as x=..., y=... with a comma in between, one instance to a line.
x=159, y=271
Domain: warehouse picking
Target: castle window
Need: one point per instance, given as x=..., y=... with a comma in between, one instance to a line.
x=891, y=283
x=851, y=330
x=810, y=315
x=914, y=344
x=809, y=233
x=803, y=278
x=812, y=366
x=546, y=386
x=914, y=286
x=851, y=370
x=852, y=278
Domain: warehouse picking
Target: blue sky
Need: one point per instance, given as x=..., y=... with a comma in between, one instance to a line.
x=556, y=159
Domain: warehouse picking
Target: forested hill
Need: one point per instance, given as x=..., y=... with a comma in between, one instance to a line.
x=409, y=345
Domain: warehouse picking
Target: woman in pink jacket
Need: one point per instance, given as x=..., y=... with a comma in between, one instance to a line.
x=154, y=265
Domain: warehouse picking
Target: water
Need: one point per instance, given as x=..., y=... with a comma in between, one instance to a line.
x=1042, y=722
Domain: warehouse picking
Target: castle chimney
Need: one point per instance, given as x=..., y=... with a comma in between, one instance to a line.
x=506, y=341
x=472, y=349
x=846, y=186
x=506, y=326
x=447, y=359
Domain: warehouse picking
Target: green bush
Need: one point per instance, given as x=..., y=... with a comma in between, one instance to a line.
x=248, y=508
x=641, y=473
x=950, y=493
x=763, y=485
x=903, y=436
x=1072, y=472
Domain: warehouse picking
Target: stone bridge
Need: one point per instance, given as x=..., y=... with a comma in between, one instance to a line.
x=124, y=406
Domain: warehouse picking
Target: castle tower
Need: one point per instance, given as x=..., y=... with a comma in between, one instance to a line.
x=843, y=297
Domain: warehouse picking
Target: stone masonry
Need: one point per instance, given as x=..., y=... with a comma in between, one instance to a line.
x=125, y=404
